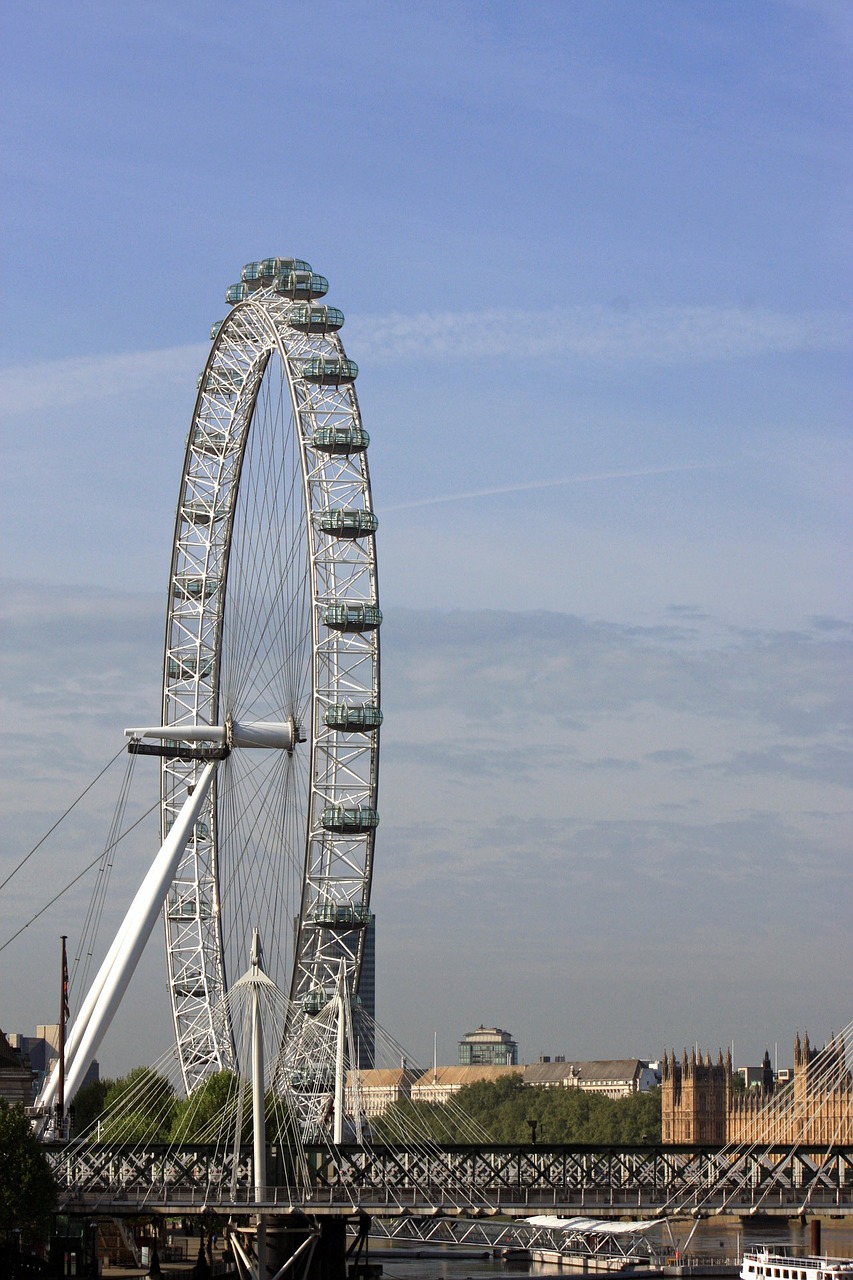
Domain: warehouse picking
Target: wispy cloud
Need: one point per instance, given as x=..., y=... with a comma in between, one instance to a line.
x=628, y=335
x=527, y=486
x=80, y=379
x=642, y=335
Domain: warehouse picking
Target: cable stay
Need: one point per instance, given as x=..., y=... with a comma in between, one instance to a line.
x=76, y=879
x=104, y=996
x=61, y=818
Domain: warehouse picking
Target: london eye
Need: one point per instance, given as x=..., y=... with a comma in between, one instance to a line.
x=271, y=665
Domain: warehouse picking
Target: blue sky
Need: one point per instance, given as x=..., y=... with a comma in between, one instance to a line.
x=594, y=261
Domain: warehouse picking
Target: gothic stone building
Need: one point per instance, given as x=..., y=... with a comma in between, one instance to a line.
x=699, y=1106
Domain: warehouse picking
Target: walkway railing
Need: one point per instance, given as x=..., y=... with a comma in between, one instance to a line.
x=596, y=1181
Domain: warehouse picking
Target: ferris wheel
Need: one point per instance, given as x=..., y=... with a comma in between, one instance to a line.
x=271, y=665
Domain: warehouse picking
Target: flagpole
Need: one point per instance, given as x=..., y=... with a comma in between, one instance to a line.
x=63, y=1016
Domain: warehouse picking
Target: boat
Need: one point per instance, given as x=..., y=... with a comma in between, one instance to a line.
x=772, y=1262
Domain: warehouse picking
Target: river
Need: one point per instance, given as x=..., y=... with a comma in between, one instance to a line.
x=718, y=1238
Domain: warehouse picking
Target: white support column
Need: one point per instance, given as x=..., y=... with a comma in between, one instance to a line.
x=81, y=1022
x=115, y=973
x=259, y=1102
x=340, y=1078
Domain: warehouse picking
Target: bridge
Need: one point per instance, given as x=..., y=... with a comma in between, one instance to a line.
x=455, y=1180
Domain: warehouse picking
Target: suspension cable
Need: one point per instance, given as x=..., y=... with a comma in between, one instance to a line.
x=72, y=883
x=62, y=818
x=89, y=932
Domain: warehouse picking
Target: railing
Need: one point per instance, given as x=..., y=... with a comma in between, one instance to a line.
x=597, y=1181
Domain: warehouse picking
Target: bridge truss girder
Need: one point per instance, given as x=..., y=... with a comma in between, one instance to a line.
x=470, y=1181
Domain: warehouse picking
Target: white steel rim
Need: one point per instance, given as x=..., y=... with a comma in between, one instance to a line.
x=272, y=619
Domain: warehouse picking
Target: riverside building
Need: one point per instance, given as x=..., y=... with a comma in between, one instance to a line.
x=699, y=1105
x=487, y=1047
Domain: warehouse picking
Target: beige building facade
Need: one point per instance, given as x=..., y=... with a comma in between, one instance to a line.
x=439, y=1084
x=613, y=1077
x=373, y=1089
x=380, y=1088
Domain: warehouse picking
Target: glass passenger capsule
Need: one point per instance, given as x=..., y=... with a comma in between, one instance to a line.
x=313, y=1002
x=210, y=440
x=301, y=286
x=251, y=273
x=183, y=905
x=214, y=329
x=187, y=667
x=197, y=511
x=322, y=319
x=330, y=371
x=339, y=523
x=356, y=820
x=272, y=267
x=194, y=588
x=346, y=616
x=223, y=382
x=314, y=1080
x=342, y=915
x=190, y=985
x=236, y=293
x=340, y=440
x=363, y=718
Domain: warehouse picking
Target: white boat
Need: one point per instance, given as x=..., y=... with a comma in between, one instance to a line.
x=769, y=1262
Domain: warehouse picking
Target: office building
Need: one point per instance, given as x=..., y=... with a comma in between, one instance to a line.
x=487, y=1047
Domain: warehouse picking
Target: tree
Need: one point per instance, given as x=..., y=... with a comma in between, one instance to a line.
x=405, y=1120
x=138, y=1108
x=27, y=1186
x=88, y=1106
x=200, y=1117
x=503, y=1109
x=210, y=1112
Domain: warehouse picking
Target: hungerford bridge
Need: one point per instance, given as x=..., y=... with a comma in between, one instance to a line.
x=453, y=1181
x=267, y=746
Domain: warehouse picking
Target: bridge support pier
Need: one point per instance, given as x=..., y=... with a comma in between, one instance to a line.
x=331, y=1252
x=320, y=1246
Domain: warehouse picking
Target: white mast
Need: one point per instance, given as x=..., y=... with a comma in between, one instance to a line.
x=104, y=997
x=258, y=1100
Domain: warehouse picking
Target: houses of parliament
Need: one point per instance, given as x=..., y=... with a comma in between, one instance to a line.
x=699, y=1105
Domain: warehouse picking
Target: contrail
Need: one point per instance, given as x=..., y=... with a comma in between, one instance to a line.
x=553, y=484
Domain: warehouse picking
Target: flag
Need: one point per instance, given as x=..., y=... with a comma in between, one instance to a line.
x=66, y=1011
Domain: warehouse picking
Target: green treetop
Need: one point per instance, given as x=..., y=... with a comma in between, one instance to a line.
x=27, y=1187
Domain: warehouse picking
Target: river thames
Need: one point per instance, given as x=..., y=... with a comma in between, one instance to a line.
x=719, y=1239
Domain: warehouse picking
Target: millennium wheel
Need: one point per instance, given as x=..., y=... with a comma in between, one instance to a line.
x=271, y=664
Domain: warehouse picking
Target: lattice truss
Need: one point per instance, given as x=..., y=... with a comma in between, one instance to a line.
x=468, y=1179
x=672, y=1180
x=273, y=617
